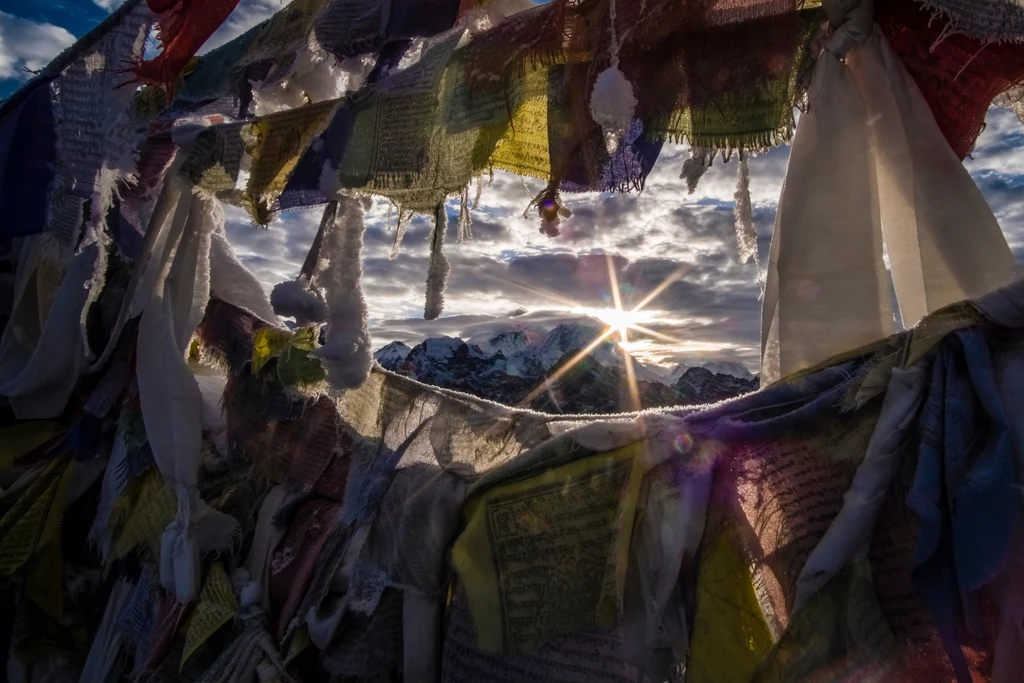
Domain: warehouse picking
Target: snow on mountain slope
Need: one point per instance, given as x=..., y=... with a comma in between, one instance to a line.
x=506, y=343
x=717, y=367
x=392, y=355
x=561, y=340
x=509, y=366
x=677, y=372
x=721, y=367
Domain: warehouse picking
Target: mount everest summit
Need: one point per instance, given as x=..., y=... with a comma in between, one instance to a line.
x=509, y=367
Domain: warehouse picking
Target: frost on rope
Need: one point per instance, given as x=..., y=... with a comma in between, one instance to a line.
x=403, y=225
x=437, y=274
x=96, y=236
x=746, y=232
x=746, y=235
x=696, y=166
x=464, y=229
x=346, y=356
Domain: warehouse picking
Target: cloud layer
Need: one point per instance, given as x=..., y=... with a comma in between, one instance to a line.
x=27, y=45
x=711, y=311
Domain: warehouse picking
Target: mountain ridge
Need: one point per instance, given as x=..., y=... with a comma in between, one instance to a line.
x=512, y=368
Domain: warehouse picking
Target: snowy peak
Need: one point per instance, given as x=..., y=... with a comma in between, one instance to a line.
x=444, y=361
x=718, y=367
x=506, y=343
x=700, y=385
x=730, y=368
x=672, y=376
x=392, y=355
x=508, y=368
x=440, y=347
x=563, y=339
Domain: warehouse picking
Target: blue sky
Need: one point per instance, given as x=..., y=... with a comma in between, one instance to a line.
x=712, y=311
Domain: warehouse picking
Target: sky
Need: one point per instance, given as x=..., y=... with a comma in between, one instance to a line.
x=510, y=275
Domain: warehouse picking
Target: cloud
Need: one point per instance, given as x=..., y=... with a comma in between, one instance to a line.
x=26, y=44
x=109, y=5
x=712, y=311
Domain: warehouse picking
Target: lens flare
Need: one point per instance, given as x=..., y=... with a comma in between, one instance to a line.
x=619, y=322
x=684, y=443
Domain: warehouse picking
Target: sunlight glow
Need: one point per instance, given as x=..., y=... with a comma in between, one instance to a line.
x=619, y=322
x=617, y=319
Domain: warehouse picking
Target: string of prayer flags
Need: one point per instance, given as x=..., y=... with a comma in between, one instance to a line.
x=249, y=163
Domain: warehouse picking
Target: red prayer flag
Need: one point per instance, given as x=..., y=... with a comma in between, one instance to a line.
x=959, y=76
x=184, y=26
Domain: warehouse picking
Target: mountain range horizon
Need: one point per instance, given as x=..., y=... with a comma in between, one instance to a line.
x=547, y=370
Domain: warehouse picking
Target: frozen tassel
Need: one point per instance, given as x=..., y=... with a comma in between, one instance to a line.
x=403, y=225
x=346, y=355
x=612, y=102
x=437, y=275
x=479, y=190
x=102, y=200
x=696, y=166
x=746, y=231
x=465, y=224
x=746, y=235
x=95, y=236
x=295, y=299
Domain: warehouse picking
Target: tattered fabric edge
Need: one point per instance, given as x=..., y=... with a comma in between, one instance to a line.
x=958, y=25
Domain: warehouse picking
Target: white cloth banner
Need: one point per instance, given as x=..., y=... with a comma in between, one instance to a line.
x=177, y=283
x=868, y=158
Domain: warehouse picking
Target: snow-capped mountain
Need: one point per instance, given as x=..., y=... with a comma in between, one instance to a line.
x=672, y=376
x=511, y=366
x=506, y=343
x=393, y=354
x=737, y=370
x=716, y=367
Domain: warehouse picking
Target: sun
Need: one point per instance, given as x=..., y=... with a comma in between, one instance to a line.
x=617, y=319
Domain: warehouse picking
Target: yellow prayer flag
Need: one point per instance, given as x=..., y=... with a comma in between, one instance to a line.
x=34, y=521
x=279, y=140
x=540, y=557
x=268, y=343
x=215, y=607
x=24, y=437
x=524, y=147
x=147, y=507
x=299, y=643
x=730, y=636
